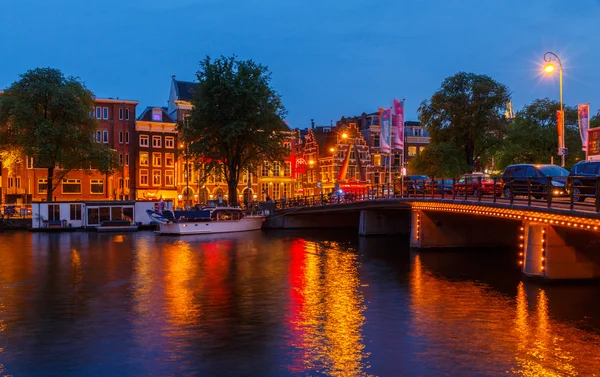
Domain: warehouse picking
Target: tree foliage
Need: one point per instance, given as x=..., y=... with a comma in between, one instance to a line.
x=533, y=135
x=468, y=112
x=236, y=121
x=439, y=161
x=46, y=115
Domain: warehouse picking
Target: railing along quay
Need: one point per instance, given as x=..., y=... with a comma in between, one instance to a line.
x=575, y=193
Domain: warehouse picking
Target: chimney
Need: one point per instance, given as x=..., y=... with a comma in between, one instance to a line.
x=312, y=124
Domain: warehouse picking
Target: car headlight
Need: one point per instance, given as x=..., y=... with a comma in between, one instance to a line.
x=557, y=184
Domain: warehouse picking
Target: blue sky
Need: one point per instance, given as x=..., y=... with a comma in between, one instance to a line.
x=328, y=58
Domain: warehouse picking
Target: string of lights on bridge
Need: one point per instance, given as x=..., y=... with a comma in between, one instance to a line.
x=575, y=222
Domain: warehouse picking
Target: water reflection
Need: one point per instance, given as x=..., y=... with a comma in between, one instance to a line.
x=486, y=328
x=281, y=304
x=326, y=311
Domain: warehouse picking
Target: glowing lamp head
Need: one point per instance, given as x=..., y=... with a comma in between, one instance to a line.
x=311, y=162
x=549, y=68
x=331, y=150
x=344, y=135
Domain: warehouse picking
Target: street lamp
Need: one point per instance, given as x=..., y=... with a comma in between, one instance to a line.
x=549, y=58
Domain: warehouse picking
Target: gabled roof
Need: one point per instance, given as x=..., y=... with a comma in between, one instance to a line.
x=185, y=90
x=146, y=115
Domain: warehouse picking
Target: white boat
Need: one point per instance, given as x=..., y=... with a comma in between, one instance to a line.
x=205, y=221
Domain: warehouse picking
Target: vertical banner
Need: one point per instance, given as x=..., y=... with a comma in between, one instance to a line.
x=583, y=117
x=560, y=118
x=398, y=124
x=386, y=129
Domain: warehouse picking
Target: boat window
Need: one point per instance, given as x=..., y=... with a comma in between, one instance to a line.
x=93, y=218
x=116, y=213
x=128, y=213
x=104, y=214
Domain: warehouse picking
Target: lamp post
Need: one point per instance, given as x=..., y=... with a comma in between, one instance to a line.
x=549, y=58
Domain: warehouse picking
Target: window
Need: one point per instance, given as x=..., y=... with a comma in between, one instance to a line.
x=10, y=182
x=264, y=190
x=71, y=186
x=169, y=142
x=105, y=138
x=144, y=140
x=121, y=159
x=93, y=217
x=53, y=212
x=143, y=158
x=169, y=159
x=376, y=143
x=144, y=177
x=156, y=159
x=29, y=162
x=75, y=211
x=265, y=169
x=376, y=160
x=92, y=113
x=287, y=169
x=121, y=183
x=126, y=182
x=169, y=178
x=276, y=191
x=105, y=112
x=126, y=114
x=156, y=115
x=417, y=132
x=155, y=177
x=120, y=113
x=276, y=169
x=98, y=136
x=98, y=113
x=120, y=137
x=126, y=160
x=412, y=150
x=18, y=180
x=127, y=137
x=42, y=186
x=156, y=141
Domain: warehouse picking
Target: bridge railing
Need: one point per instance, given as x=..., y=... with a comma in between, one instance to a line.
x=573, y=192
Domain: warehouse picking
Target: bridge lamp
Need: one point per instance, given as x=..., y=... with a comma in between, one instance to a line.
x=551, y=59
x=331, y=150
x=344, y=136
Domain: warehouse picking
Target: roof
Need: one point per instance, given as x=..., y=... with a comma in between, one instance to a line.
x=146, y=115
x=185, y=90
x=116, y=100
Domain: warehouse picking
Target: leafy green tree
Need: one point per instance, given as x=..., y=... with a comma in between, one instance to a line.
x=236, y=121
x=533, y=135
x=46, y=115
x=468, y=112
x=439, y=161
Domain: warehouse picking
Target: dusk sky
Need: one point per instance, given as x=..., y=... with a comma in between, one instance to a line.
x=328, y=58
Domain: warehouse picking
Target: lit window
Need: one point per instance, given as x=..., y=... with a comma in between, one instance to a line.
x=156, y=141
x=144, y=177
x=169, y=178
x=156, y=159
x=144, y=140
x=412, y=150
x=97, y=186
x=169, y=159
x=143, y=158
x=169, y=142
x=155, y=177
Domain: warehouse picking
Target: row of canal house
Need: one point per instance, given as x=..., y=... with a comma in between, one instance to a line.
x=154, y=163
x=347, y=156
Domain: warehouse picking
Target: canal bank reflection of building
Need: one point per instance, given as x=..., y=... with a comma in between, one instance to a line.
x=493, y=332
x=327, y=316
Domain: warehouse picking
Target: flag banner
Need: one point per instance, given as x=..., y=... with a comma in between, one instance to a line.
x=386, y=129
x=559, y=125
x=398, y=124
x=359, y=165
x=583, y=117
x=344, y=168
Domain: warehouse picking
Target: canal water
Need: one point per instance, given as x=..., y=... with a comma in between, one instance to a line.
x=285, y=303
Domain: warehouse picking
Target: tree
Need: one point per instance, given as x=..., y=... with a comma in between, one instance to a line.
x=467, y=111
x=46, y=115
x=438, y=161
x=533, y=135
x=236, y=120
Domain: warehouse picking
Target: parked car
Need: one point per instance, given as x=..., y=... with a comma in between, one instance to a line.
x=438, y=186
x=584, y=175
x=524, y=178
x=471, y=183
x=413, y=184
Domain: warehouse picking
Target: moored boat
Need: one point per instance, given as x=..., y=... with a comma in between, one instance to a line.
x=205, y=221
